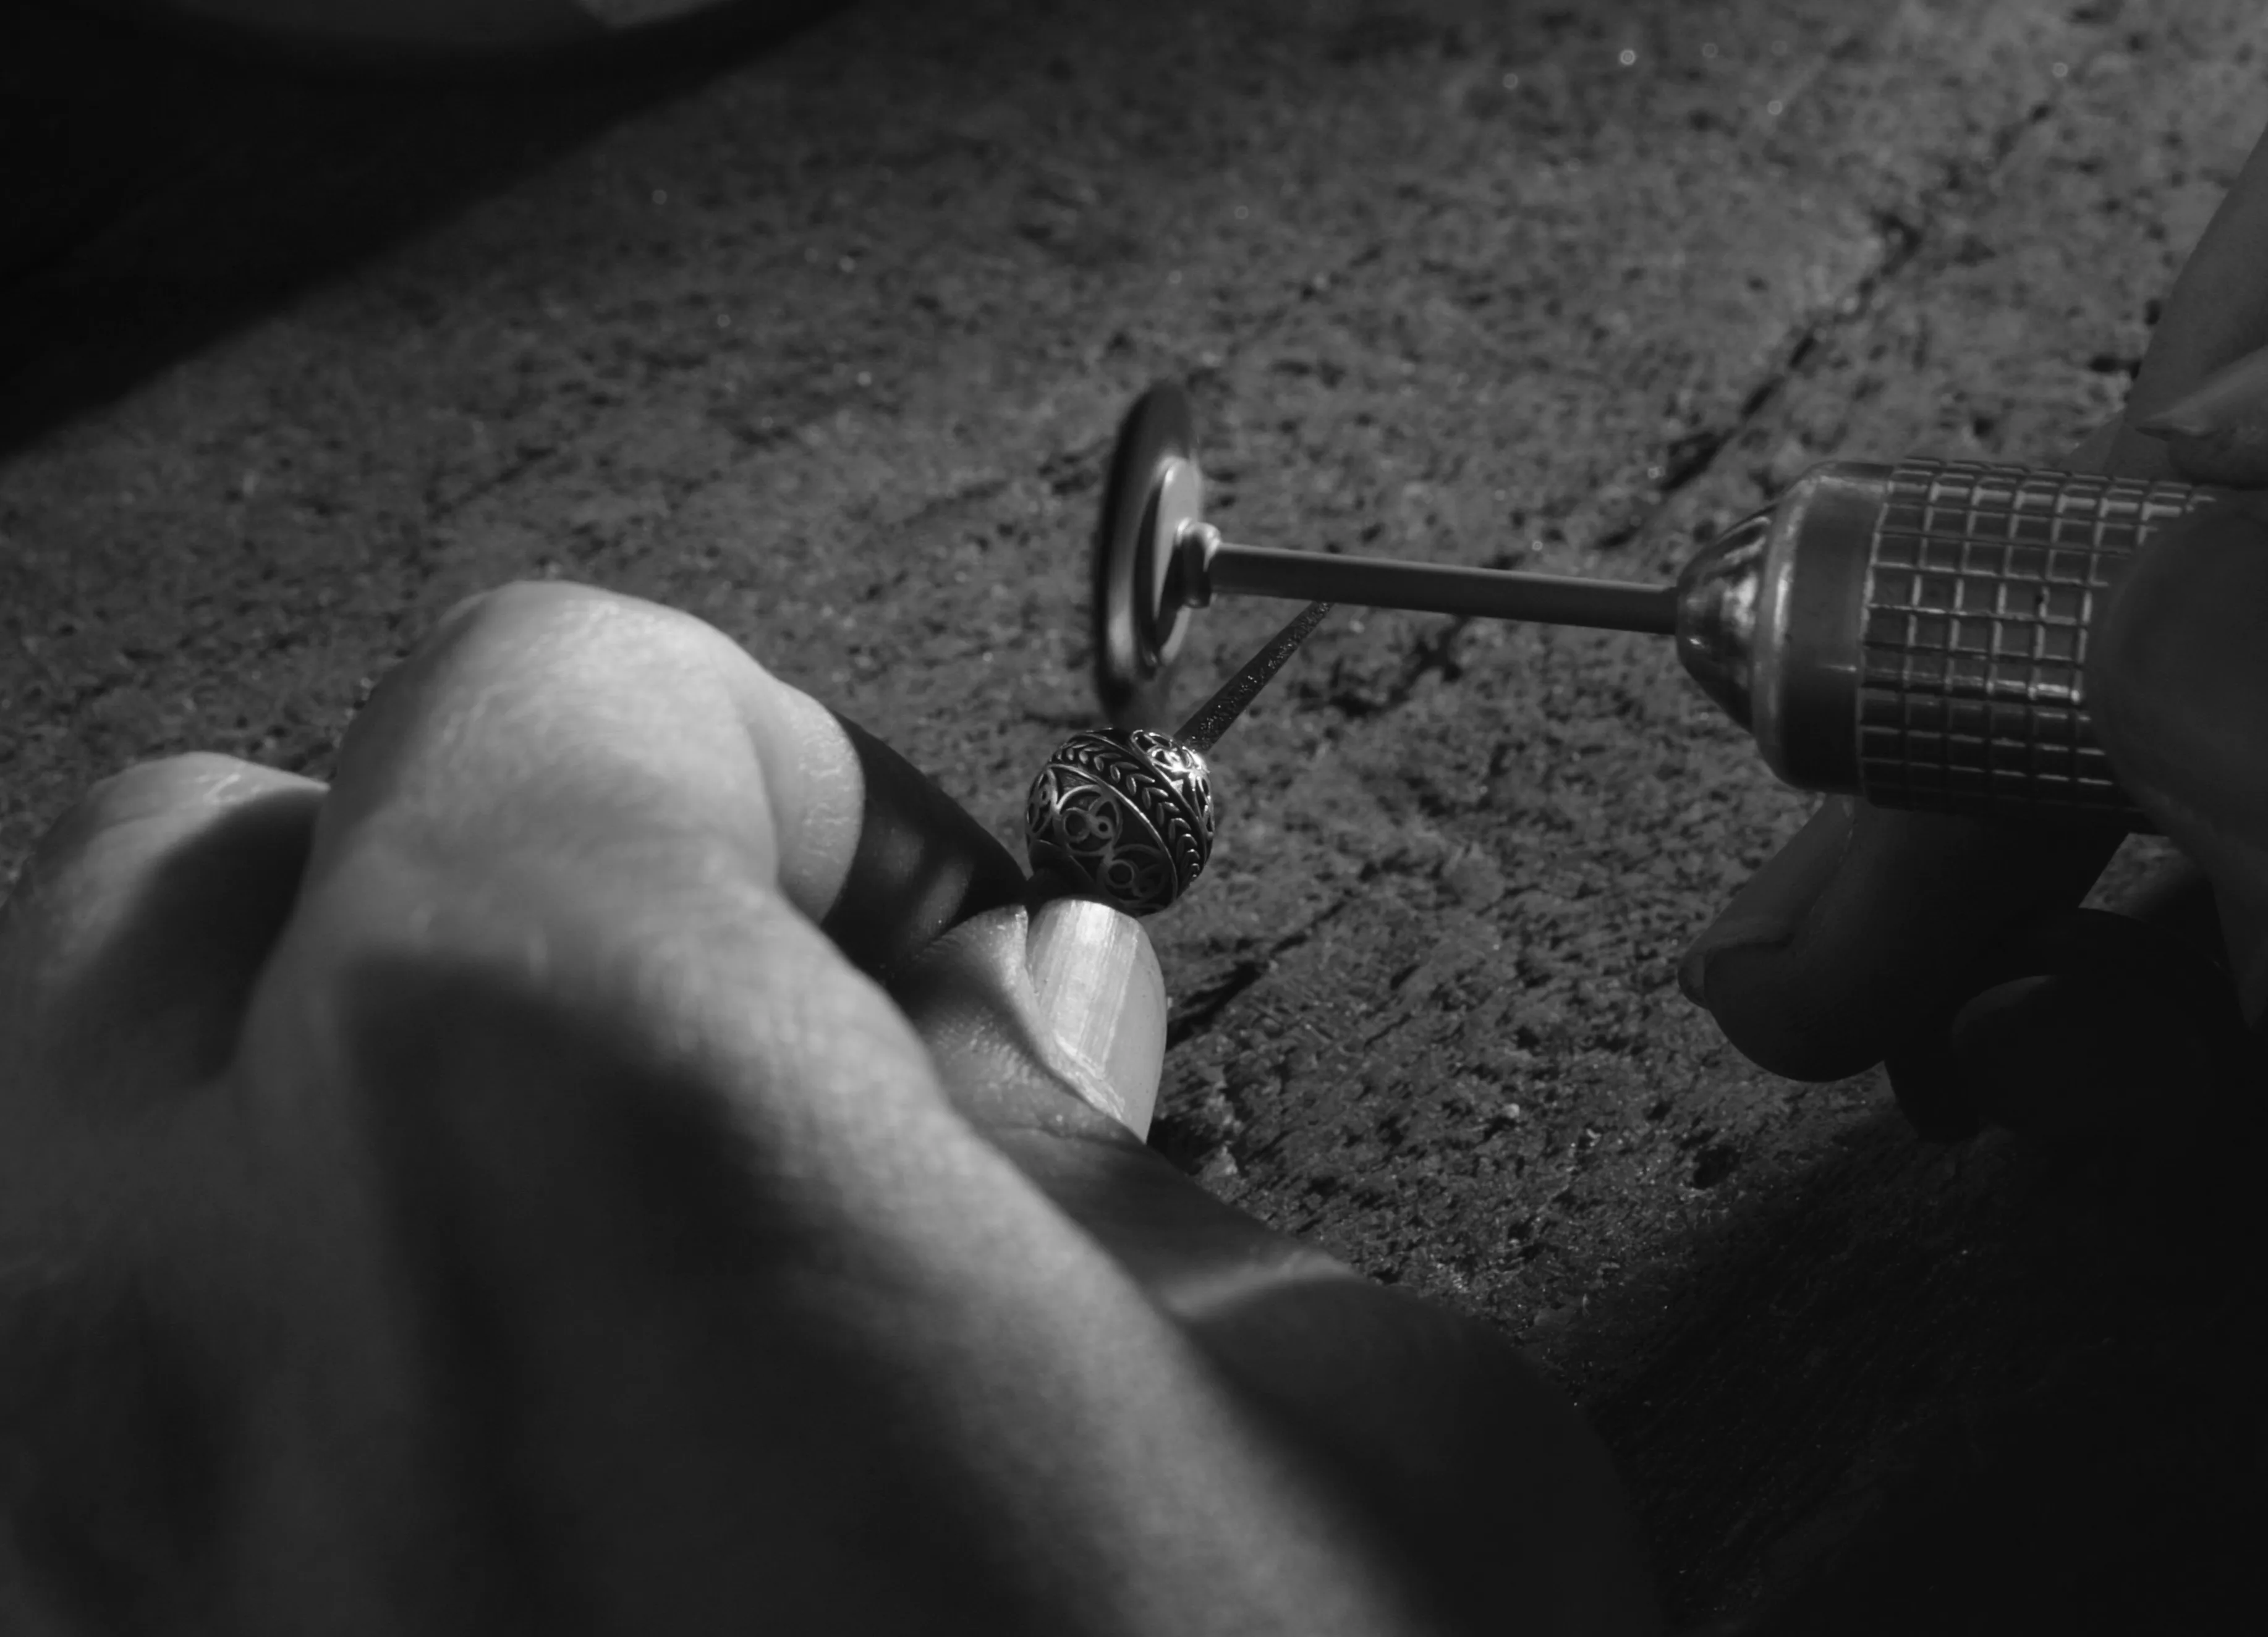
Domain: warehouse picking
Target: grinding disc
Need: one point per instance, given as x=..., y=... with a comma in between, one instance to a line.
x=1155, y=492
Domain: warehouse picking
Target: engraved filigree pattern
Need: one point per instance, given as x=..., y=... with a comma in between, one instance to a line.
x=1129, y=815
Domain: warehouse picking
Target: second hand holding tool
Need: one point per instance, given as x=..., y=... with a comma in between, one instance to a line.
x=1914, y=633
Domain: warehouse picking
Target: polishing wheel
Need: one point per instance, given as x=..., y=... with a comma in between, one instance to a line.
x=1153, y=499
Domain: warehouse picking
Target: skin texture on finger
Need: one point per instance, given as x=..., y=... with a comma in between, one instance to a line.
x=131, y=940
x=1857, y=937
x=527, y=720
x=669, y=1196
x=1462, y=1458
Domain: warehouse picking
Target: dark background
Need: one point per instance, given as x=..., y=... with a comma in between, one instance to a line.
x=821, y=332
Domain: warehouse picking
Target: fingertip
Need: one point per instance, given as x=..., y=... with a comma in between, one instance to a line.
x=1743, y=967
x=1096, y=976
x=1046, y=1019
x=1859, y=931
x=1769, y=910
x=2234, y=457
x=1756, y=995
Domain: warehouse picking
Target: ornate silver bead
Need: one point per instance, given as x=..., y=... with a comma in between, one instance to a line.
x=1127, y=816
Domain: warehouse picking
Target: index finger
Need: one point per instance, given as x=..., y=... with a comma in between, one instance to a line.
x=553, y=1016
x=579, y=721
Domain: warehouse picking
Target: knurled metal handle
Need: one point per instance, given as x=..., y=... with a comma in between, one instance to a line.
x=1982, y=583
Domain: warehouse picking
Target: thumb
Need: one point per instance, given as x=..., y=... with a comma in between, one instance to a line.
x=1098, y=984
x=1020, y=1005
x=2179, y=678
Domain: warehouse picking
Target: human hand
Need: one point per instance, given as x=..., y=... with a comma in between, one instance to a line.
x=1949, y=946
x=499, y=1190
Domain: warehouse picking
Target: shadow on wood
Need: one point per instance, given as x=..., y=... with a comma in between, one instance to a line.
x=159, y=186
x=1988, y=1387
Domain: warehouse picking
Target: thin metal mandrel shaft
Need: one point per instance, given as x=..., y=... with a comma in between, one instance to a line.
x=1440, y=588
x=1203, y=730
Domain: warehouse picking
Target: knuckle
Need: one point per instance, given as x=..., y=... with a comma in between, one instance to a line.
x=167, y=784
x=147, y=809
x=531, y=616
x=519, y=603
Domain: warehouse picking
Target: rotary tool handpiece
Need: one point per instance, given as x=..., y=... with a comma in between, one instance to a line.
x=1913, y=632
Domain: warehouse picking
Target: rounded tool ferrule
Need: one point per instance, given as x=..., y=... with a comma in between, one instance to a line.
x=1718, y=595
x=1810, y=616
